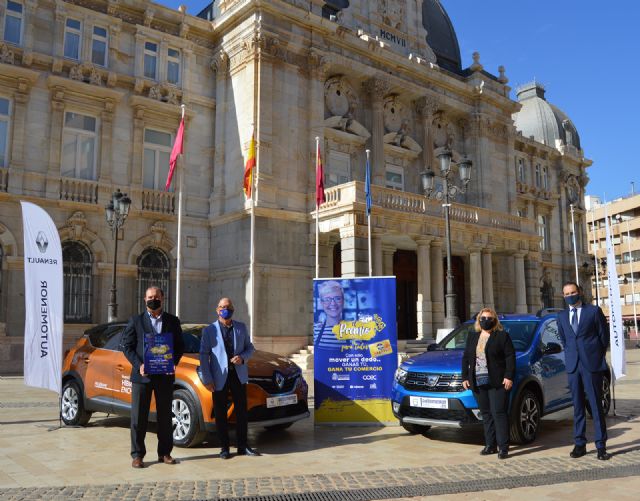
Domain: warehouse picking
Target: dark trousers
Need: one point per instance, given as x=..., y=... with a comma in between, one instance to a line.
x=162, y=388
x=493, y=406
x=582, y=382
x=239, y=395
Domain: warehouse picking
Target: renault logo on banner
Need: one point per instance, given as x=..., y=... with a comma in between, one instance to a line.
x=279, y=378
x=42, y=242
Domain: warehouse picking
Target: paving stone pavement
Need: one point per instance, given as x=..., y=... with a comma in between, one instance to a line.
x=310, y=463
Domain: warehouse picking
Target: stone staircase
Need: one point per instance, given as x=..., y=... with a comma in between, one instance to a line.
x=304, y=358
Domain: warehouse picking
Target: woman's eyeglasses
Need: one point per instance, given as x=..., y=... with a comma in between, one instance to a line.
x=335, y=299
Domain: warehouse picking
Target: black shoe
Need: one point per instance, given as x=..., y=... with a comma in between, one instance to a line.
x=488, y=450
x=248, y=451
x=503, y=454
x=578, y=451
x=603, y=455
x=225, y=454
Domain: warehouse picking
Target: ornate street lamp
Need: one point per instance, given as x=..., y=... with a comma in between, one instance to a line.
x=449, y=191
x=116, y=213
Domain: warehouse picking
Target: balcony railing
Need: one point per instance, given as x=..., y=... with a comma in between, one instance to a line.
x=158, y=201
x=78, y=190
x=386, y=198
x=4, y=179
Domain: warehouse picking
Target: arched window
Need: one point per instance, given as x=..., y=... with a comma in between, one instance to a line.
x=153, y=269
x=77, y=267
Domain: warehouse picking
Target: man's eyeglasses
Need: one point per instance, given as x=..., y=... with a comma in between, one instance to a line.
x=335, y=299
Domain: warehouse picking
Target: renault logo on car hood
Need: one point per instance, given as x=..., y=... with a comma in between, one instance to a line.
x=279, y=379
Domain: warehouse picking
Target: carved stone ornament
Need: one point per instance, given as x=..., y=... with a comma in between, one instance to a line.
x=157, y=233
x=164, y=92
x=427, y=106
x=377, y=87
x=394, y=113
x=339, y=97
x=85, y=72
x=77, y=224
x=6, y=55
x=220, y=62
x=392, y=12
x=573, y=189
x=443, y=132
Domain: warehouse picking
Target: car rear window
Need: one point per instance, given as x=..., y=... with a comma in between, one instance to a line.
x=100, y=336
x=521, y=333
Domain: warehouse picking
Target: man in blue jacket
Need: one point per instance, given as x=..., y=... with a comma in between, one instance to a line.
x=586, y=338
x=225, y=349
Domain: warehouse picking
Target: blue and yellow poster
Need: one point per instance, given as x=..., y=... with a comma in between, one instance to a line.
x=355, y=349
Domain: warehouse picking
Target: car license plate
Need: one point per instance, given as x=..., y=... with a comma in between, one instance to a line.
x=282, y=401
x=429, y=403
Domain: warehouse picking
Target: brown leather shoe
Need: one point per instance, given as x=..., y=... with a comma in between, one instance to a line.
x=137, y=463
x=166, y=459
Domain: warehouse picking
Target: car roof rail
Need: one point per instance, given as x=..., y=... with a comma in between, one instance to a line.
x=548, y=311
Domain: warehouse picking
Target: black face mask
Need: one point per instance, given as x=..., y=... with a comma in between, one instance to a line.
x=487, y=323
x=154, y=304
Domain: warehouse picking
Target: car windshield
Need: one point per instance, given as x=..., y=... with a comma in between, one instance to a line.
x=520, y=331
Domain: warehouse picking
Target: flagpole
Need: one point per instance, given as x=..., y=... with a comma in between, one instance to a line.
x=252, y=257
x=369, y=217
x=179, y=246
x=575, y=250
x=317, y=211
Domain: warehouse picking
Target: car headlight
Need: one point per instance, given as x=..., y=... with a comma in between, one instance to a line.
x=400, y=375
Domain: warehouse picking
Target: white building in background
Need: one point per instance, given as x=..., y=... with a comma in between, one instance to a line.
x=89, y=103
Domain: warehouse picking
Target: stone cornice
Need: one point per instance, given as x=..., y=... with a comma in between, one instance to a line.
x=84, y=89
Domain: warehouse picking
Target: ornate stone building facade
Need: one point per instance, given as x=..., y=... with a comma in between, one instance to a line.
x=89, y=103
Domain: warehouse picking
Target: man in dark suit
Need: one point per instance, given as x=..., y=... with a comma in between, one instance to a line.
x=161, y=385
x=225, y=348
x=585, y=332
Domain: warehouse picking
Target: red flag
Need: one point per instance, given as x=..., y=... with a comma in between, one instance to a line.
x=247, y=181
x=176, y=151
x=320, y=198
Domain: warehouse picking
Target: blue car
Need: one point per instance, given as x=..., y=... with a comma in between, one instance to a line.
x=427, y=389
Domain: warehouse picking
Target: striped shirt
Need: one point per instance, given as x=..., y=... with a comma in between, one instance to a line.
x=324, y=339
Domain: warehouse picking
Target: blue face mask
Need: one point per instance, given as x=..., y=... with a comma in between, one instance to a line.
x=226, y=313
x=571, y=300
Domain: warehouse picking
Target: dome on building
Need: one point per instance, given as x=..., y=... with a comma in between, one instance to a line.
x=441, y=36
x=542, y=120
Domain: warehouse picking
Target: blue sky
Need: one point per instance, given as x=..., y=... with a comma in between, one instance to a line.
x=581, y=50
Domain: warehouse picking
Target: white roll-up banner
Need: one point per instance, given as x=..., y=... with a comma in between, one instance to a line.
x=43, y=298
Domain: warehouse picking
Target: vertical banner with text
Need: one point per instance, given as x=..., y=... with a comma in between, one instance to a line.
x=355, y=349
x=43, y=296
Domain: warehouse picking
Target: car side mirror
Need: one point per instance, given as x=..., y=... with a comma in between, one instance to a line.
x=552, y=349
x=432, y=347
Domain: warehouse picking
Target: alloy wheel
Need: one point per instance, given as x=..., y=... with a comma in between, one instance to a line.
x=181, y=419
x=69, y=407
x=529, y=417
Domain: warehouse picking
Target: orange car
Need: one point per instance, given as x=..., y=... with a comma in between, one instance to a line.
x=95, y=378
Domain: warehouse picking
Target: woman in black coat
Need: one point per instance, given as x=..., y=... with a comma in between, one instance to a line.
x=488, y=367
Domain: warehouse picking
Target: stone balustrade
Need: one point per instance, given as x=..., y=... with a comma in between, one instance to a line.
x=78, y=190
x=158, y=201
x=387, y=198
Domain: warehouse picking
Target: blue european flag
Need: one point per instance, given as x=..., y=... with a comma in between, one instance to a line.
x=367, y=187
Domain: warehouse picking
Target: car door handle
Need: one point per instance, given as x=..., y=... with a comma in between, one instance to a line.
x=120, y=367
x=86, y=360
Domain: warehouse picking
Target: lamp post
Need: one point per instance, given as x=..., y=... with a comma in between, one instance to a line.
x=116, y=212
x=449, y=191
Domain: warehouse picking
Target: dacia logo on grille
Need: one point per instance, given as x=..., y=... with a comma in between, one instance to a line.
x=42, y=242
x=279, y=379
x=432, y=380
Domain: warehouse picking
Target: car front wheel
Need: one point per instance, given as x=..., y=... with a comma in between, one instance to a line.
x=186, y=428
x=72, y=408
x=525, y=418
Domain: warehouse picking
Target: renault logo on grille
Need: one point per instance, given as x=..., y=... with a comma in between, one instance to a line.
x=432, y=380
x=279, y=379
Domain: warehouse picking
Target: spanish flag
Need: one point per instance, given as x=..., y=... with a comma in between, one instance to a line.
x=249, y=167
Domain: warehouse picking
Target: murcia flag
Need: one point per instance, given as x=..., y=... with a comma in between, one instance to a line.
x=43, y=296
x=249, y=168
x=176, y=151
x=615, y=311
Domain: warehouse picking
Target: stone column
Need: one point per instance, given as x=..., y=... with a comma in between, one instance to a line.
x=487, y=279
x=55, y=142
x=353, y=248
x=437, y=284
x=387, y=259
x=106, y=143
x=377, y=89
x=376, y=254
x=220, y=66
x=475, y=280
x=520, y=281
x=426, y=108
x=138, y=65
x=137, y=147
x=16, y=167
x=424, y=306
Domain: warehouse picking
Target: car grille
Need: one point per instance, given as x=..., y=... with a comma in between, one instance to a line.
x=421, y=381
x=270, y=385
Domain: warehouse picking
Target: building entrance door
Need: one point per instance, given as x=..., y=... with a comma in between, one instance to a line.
x=405, y=268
